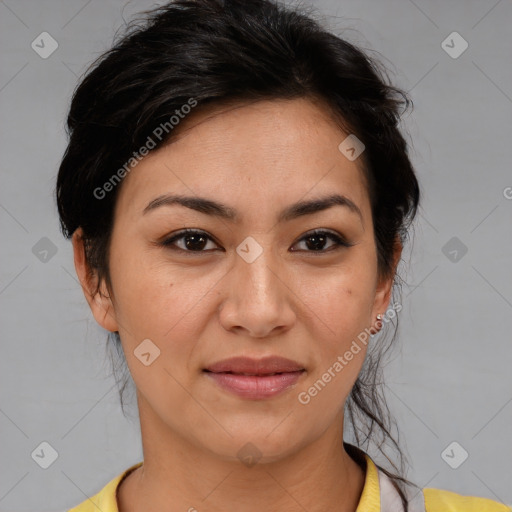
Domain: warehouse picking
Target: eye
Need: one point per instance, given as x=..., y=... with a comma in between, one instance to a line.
x=192, y=241
x=315, y=241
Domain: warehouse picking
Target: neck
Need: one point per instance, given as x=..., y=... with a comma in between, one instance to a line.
x=179, y=476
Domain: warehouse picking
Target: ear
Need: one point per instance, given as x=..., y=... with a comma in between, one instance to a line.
x=99, y=301
x=385, y=285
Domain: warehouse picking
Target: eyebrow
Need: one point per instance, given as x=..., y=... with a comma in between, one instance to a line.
x=216, y=209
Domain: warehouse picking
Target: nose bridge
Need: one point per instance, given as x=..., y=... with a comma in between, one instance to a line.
x=256, y=269
x=256, y=298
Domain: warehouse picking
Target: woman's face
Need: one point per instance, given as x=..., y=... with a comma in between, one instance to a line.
x=254, y=282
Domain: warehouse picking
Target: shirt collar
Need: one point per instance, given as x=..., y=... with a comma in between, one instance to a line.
x=370, y=497
x=369, y=501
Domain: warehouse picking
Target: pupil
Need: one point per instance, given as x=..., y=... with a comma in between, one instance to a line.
x=319, y=241
x=195, y=240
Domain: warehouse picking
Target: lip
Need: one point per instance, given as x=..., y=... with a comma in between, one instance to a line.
x=255, y=379
x=264, y=366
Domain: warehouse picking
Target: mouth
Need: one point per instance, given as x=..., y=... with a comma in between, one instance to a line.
x=255, y=379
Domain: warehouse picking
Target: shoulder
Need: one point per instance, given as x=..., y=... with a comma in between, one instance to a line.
x=377, y=486
x=438, y=500
x=106, y=499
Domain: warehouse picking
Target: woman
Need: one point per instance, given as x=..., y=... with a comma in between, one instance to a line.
x=238, y=195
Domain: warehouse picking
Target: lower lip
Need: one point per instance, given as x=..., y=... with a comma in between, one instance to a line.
x=256, y=387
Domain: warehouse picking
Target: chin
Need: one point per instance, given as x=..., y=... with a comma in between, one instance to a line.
x=256, y=445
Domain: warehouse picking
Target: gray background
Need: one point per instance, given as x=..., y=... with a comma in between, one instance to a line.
x=450, y=378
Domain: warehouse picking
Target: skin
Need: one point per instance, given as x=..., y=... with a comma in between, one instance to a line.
x=200, y=308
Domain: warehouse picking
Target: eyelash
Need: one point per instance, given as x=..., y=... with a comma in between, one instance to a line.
x=339, y=242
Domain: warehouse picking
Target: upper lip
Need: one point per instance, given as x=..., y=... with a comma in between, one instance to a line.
x=247, y=365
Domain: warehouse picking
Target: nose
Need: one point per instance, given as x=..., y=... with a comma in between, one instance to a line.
x=258, y=297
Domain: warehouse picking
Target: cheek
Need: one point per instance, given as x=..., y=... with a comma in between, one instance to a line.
x=341, y=309
x=340, y=306
x=341, y=302
x=151, y=295
x=159, y=302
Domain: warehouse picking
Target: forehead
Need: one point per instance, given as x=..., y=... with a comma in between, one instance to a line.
x=255, y=155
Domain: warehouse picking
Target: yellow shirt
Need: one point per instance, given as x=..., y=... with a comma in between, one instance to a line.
x=436, y=500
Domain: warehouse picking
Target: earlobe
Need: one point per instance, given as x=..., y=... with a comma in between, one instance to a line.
x=97, y=297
